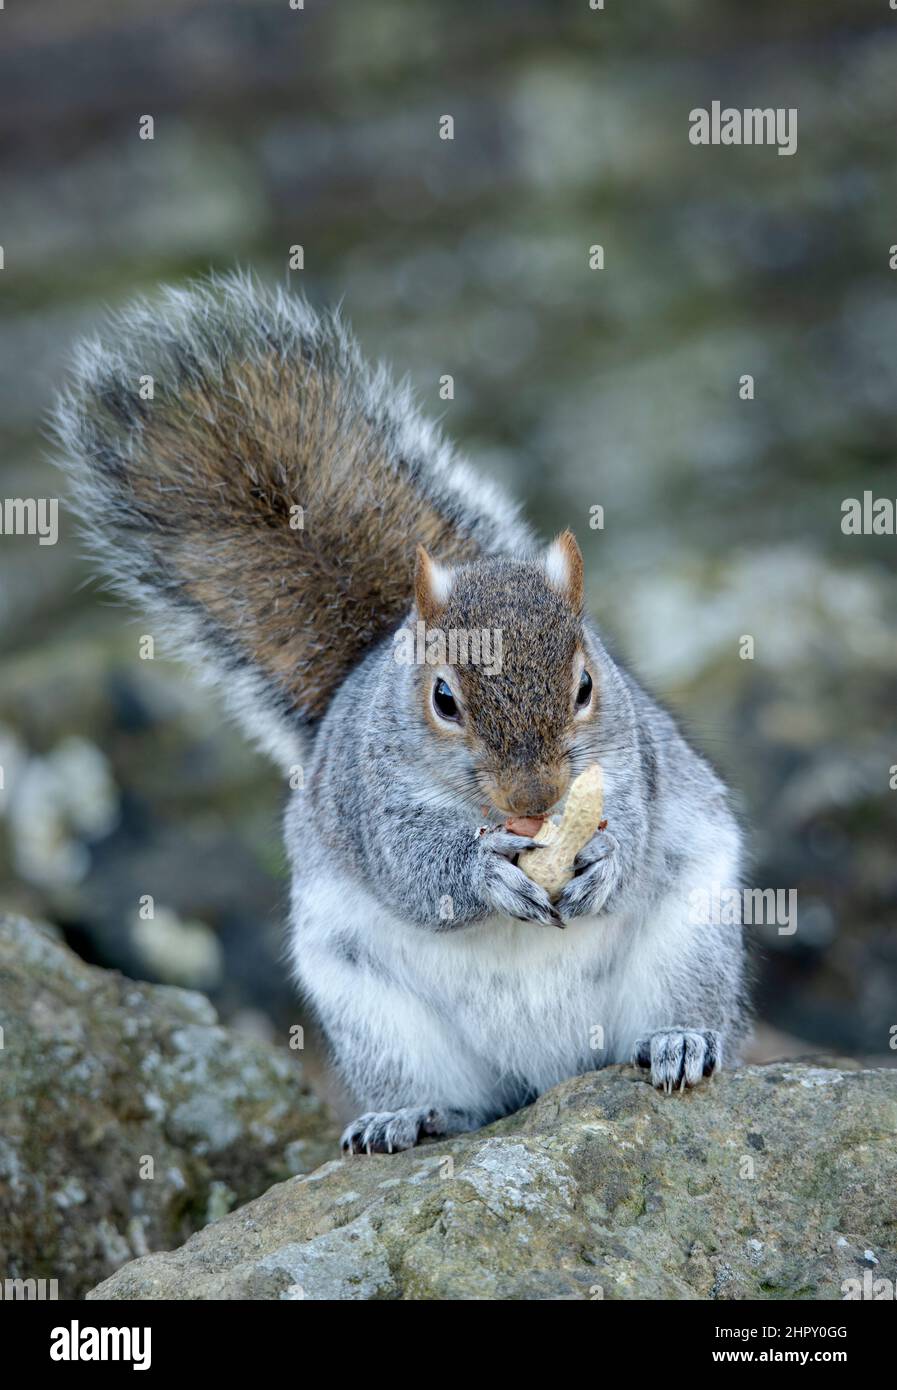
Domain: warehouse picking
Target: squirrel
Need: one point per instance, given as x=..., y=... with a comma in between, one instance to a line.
x=283, y=512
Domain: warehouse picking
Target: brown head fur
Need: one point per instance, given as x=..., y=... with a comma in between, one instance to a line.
x=517, y=722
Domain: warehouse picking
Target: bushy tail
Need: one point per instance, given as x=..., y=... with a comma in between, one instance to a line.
x=243, y=474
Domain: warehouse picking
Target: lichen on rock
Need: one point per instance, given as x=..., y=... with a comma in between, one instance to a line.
x=129, y=1117
x=769, y=1182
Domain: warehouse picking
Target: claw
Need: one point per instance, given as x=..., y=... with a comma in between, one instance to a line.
x=506, y=843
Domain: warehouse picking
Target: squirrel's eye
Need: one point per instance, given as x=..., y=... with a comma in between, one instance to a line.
x=444, y=701
x=584, y=693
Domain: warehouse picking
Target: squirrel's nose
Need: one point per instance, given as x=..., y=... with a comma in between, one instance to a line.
x=530, y=793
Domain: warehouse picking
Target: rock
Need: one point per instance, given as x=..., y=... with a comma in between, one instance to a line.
x=769, y=1182
x=128, y=1118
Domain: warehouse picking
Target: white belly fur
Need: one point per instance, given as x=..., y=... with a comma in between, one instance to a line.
x=498, y=1004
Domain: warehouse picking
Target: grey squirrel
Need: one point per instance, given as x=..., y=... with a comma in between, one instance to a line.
x=284, y=512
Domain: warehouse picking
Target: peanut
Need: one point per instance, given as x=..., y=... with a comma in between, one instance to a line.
x=552, y=867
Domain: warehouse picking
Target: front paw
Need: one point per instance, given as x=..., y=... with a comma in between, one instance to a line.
x=506, y=889
x=679, y=1057
x=389, y=1131
x=596, y=877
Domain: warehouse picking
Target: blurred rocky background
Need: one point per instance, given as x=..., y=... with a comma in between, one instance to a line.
x=580, y=388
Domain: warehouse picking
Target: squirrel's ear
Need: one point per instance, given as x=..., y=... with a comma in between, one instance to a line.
x=432, y=585
x=563, y=568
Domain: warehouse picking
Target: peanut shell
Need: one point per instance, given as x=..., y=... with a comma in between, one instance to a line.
x=552, y=867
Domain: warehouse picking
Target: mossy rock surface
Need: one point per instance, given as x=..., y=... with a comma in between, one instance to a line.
x=769, y=1182
x=128, y=1117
